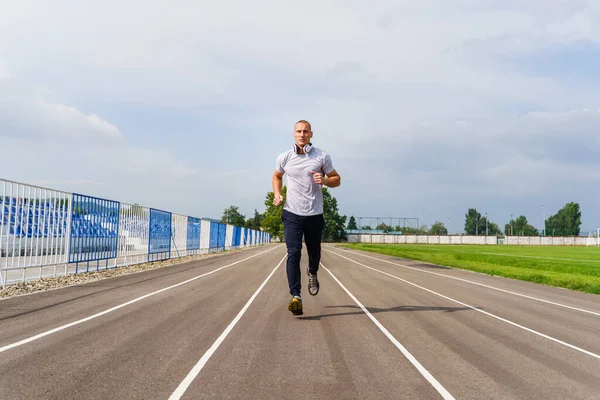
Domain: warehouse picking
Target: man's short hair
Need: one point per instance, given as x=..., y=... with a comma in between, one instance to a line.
x=303, y=121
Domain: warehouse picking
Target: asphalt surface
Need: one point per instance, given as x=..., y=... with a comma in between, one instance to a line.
x=380, y=328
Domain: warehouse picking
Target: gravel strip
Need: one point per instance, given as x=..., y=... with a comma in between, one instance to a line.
x=43, y=284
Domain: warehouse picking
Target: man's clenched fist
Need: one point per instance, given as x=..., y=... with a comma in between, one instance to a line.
x=278, y=199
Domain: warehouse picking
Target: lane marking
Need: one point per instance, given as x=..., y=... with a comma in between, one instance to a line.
x=204, y=359
x=60, y=328
x=426, y=374
x=481, y=311
x=479, y=284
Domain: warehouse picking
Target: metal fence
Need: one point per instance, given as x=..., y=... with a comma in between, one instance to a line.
x=46, y=232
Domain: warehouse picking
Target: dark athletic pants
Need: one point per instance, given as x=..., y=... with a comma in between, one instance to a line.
x=294, y=227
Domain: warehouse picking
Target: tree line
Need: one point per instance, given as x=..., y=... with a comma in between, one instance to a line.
x=566, y=222
x=437, y=228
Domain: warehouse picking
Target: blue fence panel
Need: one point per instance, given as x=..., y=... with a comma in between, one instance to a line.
x=94, y=229
x=214, y=235
x=235, y=241
x=193, y=233
x=222, y=233
x=159, y=236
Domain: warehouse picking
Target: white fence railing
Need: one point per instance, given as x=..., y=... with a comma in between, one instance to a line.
x=46, y=232
x=467, y=239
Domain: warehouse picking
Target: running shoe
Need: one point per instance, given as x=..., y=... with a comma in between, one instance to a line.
x=295, y=305
x=313, y=283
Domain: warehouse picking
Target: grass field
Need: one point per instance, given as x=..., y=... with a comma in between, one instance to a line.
x=576, y=268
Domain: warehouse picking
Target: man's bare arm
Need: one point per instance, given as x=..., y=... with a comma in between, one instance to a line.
x=333, y=179
x=277, y=182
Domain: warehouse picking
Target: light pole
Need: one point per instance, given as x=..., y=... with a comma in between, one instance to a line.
x=544, y=219
x=511, y=224
x=486, y=225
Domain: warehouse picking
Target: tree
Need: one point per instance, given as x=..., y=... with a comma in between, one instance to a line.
x=438, y=228
x=257, y=219
x=334, y=223
x=254, y=222
x=271, y=221
x=352, y=223
x=232, y=216
x=383, y=227
x=494, y=229
x=476, y=224
x=520, y=227
x=409, y=230
x=472, y=218
x=567, y=222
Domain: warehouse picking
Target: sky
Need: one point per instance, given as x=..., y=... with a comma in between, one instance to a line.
x=427, y=108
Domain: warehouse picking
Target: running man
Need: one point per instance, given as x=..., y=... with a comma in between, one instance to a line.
x=307, y=168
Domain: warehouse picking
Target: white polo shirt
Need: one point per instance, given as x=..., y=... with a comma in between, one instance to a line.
x=304, y=196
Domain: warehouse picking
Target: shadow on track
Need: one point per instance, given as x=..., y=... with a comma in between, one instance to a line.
x=375, y=310
x=412, y=264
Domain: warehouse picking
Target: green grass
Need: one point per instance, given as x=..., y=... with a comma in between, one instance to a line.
x=575, y=268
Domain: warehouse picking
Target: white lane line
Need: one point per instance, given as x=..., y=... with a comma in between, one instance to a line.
x=479, y=284
x=60, y=328
x=426, y=374
x=476, y=309
x=204, y=359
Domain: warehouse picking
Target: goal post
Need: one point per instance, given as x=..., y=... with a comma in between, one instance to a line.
x=593, y=238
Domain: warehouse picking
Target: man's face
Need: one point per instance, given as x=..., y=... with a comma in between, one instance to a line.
x=302, y=134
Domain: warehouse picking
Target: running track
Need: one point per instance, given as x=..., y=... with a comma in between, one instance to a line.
x=219, y=328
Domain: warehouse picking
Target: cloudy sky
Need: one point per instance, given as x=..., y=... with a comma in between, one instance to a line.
x=427, y=107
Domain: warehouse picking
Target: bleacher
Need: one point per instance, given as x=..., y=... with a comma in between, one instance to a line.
x=33, y=219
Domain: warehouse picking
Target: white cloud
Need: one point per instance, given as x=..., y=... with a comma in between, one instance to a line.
x=26, y=114
x=58, y=146
x=75, y=124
